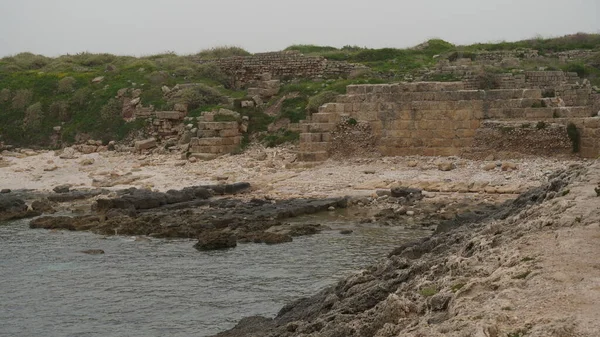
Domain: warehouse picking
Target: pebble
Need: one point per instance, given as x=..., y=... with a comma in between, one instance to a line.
x=410, y=213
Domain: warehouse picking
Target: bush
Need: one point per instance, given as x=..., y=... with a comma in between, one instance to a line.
x=212, y=72
x=158, y=77
x=281, y=137
x=81, y=97
x=59, y=110
x=66, y=84
x=574, y=136
x=29, y=61
x=294, y=109
x=184, y=72
x=487, y=81
x=578, y=68
x=222, y=52
x=111, y=110
x=22, y=98
x=541, y=125
x=33, y=116
x=197, y=96
x=324, y=97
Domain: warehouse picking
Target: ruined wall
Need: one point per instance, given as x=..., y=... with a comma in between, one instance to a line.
x=283, y=65
x=442, y=119
x=528, y=79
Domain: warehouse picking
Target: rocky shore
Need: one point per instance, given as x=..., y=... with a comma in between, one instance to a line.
x=529, y=268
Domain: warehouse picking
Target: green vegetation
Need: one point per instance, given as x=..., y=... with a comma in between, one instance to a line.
x=541, y=125
x=457, y=287
x=280, y=137
x=38, y=93
x=428, y=291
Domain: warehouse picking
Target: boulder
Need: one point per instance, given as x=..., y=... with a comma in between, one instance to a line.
x=62, y=188
x=508, y=166
x=42, y=206
x=145, y=144
x=213, y=240
x=410, y=194
x=12, y=207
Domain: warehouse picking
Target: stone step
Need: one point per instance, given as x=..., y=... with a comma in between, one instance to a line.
x=320, y=127
x=312, y=137
x=313, y=156
x=539, y=113
x=324, y=117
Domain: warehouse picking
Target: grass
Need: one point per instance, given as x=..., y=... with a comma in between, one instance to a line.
x=428, y=291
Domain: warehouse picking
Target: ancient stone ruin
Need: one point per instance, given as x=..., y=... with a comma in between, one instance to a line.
x=283, y=65
x=530, y=116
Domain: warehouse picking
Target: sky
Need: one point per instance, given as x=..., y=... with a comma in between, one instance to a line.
x=145, y=27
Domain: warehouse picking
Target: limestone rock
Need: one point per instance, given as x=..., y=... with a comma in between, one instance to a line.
x=508, y=166
x=446, y=166
x=145, y=144
x=87, y=162
x=62, y=188
x=93, y=251
x=489, y=167
x=98, y=79
x=216, y=240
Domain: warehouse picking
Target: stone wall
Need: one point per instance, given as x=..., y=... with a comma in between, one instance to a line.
x=442, y=118
x=283, y=65
x=528, y=79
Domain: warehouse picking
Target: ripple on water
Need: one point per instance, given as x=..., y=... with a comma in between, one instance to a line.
x=159, y=287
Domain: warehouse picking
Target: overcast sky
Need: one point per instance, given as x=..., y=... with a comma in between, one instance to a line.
x=143, y=27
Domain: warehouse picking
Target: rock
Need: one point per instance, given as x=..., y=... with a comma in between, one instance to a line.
x=508, y=166
x=489, y=167
x=274, y=238
x=87, y=162
x=346, y=231
x=51, y=168
x=410, y=194
x=412, y=163
x=57, y=128
x=203, y=156
x=446, y=166
x=68, y=153
x=180, y=163
x=42, y=206
x=381, y=193
x=98, y=79
x=185, y=138
x=12, y=207
x=135, y=101
x=5, y=190
x=369, y=172
x=490, y=157
x=145, y=144
x=410, y=213
x=62, y=188
x=165, y=89
x=261, y=156
x=331, y=208
x=221, y=178
x=93, y=251
x=213, y=240
x=439, y=302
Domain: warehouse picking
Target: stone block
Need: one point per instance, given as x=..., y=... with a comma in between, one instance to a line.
x=168, y=114
x=229, y=133
x=145, y=144
x=310, y=137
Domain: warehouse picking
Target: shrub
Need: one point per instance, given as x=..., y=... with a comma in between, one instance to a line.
x=22, y=98
x=212, y=72
x=294, y=109
x=158, y=77
x=281, y=137
x=29, y=61
x=33, y=116
x=198, y=95
x=222, y=52
x=81, y=96
x=574, y=136
x=487, y=81
x=66, y=84
x=541, y=125
x=578, y=68
x=5, y=95
x=59, y=110
x=324, y=97
x=184, y=72
x=111, y=110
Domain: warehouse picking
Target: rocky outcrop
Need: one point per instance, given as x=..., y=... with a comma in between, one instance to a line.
x=423, y=288
x=213, y=240
x=13, y=207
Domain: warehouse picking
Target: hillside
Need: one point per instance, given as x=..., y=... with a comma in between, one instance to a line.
x=54, y=102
